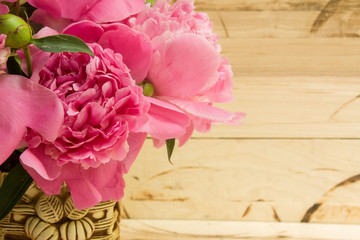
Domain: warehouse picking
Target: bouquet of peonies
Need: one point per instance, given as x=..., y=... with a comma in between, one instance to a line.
x=84, y=82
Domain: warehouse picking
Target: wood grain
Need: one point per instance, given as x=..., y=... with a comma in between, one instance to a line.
x=202, y=230
x=277, y=5
x=295, y=57
x=295, y=159
x=260, y=5
x=293, y=107
x=268, y=180
x=288, y=24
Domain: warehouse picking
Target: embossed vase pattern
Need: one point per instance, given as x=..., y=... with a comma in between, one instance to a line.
x=40, y=217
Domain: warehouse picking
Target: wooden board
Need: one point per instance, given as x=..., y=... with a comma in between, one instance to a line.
x=293, y=107
x=287, y=24
x=268, y=180
x=296, y=159
x=214, y=230
x=299, y=57
x=277, y=5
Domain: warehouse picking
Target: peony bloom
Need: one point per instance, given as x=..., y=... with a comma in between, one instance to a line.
x=105, y=114
x=168, y=121
x=59, y=13
x=186, y=69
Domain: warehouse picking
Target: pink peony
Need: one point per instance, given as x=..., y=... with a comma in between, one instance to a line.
x=186, y=68
x=167, y=121
x=59, y=13
x=105, y=115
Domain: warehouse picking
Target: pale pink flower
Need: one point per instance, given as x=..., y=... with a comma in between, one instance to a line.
x=105, y=114
x=59, y=13
x=186, y=68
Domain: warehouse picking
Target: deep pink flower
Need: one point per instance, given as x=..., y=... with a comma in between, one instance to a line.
x=105, y=114
x=58, y=13
x=186, y=68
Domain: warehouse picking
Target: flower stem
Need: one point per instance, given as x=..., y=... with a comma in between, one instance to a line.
x=28, y=60
x=17, y=8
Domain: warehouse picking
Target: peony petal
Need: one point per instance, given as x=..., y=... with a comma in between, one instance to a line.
x=43, y=164
x=51, y=6
x=47, y=19
x=222, y=90
x=88, y=31
x=83, y=192
x=165, y=120
x=113, y=10
x=43, y=169
x=3, y=9
x=107, y=179
x=183, y=66
x=26, y=104
x=135, y=141
x=75, y=9
x=135, y=47
x=49, y=187
x=11, y=133
x=206, y=111
x=184, y=138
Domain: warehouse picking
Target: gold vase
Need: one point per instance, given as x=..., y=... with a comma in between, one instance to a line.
x=40, y=217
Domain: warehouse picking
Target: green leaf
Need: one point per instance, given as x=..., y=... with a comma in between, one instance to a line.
x=61, y=43
x=152, y=2
x=13, y=188
x=170, y=144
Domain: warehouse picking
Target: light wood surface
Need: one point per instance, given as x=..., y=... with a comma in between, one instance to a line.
x=215, y=230
x=296, y=158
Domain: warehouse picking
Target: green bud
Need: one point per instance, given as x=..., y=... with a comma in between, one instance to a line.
x=17, y=30
x=148, y=89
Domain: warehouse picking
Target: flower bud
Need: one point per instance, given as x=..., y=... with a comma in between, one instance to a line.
x=17, y=30
x=148, y=89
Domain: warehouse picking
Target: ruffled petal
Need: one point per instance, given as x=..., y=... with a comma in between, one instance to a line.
x=26, y=104
x=165, y=120
x=183, y=66
x=135, y=47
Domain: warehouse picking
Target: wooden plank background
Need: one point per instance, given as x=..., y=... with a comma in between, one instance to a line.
x=296, y=70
